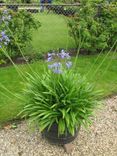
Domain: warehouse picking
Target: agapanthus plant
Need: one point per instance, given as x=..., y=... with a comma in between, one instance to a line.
x=59, y=96
x=17, y=27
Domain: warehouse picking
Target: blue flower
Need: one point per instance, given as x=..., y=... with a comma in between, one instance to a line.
x=55, y=65
x=4, y=39
x=68, y=64
x=57, y=71
x=50, y=66
x=49, y=59
x=64, y=55
x=6, y=17
x=3, y=33
x=58, y=67
x=49, y=54
x=5, y=11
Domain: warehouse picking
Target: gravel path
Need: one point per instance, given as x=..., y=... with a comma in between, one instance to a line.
x=100, y=140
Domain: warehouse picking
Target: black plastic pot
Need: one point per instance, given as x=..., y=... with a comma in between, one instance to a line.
x=52, y=135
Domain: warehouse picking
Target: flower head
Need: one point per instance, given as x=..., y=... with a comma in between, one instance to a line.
x=49, y=59
x=6, y=17
x=58, y=67
x=49, y=55
x=68, y=64
x=55, y=65
x=64, y=55
x=57, y=71
x=5, y=11
x=3, y=33
x=4, y=39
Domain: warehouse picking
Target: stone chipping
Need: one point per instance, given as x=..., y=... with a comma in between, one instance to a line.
x=99, y=140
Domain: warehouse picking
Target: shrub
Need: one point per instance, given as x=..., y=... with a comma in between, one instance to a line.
x=108, y=22
x=94, y=26
x=26, y=1
x=17, y=26
x=59, y=96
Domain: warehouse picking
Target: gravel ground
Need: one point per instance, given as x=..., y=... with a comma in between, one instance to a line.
x=100, y=140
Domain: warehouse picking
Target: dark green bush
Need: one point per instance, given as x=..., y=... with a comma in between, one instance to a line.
x=94, y=25
x=17, y=26
x=108, y=22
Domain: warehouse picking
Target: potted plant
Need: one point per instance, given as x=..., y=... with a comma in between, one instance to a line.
x=60, y=100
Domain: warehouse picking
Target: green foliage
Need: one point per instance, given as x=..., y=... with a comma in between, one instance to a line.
x=103, y=80
x=67, y=1
x=108, y=22
x=2, y=61
x=18, y=1
x=18, y=29
x=26, y=1
x=94, y=26
x=66, y=99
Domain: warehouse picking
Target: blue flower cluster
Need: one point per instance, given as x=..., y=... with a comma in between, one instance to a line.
x=5, y=18
x=57, y=67
x=62, y=55
x=4, y=39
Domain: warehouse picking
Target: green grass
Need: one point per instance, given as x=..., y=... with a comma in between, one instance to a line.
x=53, y=33
x=105, y=79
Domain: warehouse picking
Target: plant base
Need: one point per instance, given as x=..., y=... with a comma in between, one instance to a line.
x=52, y=136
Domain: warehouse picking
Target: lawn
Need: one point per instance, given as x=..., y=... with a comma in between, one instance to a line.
x=53, y=33
x=105, y=78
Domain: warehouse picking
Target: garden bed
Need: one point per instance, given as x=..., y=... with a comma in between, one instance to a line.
x=35, y=57
x=18, y=60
